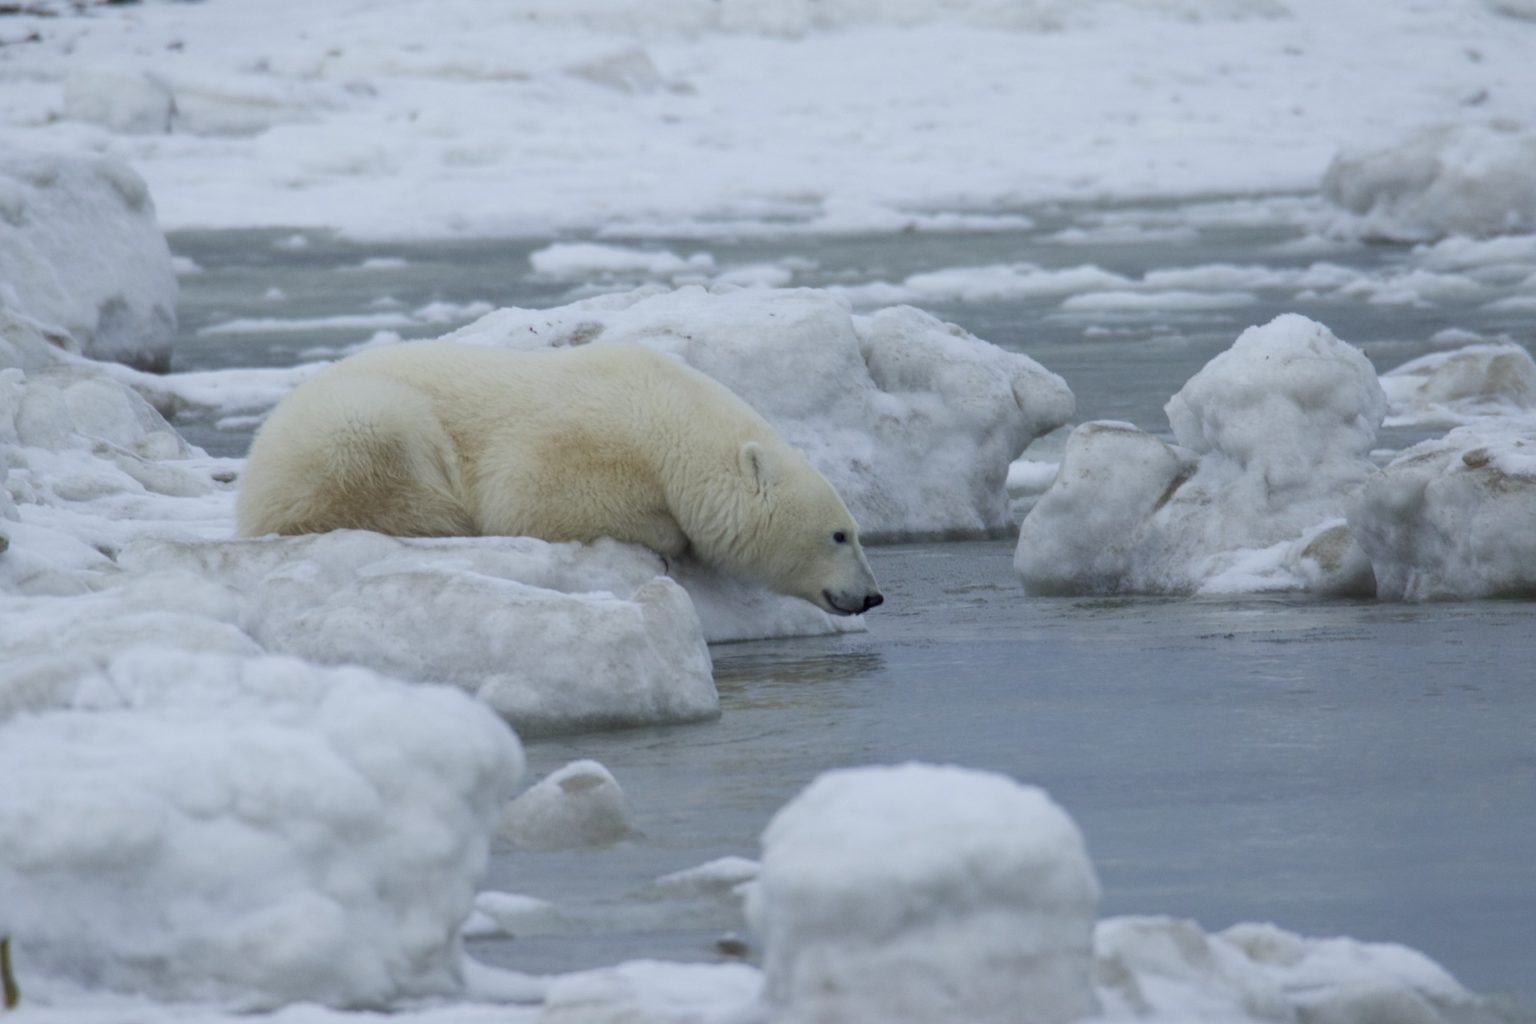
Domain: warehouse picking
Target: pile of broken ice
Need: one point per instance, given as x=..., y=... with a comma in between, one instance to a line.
x=1270, y=484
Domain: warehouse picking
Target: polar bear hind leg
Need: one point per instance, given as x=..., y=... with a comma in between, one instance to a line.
x=370, y=456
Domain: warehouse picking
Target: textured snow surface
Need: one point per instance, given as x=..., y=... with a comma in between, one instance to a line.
x=243, y=829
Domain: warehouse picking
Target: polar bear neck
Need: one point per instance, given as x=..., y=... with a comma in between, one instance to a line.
x=715, y=503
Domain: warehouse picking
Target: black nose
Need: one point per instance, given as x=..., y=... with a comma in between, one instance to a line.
x=871, y=600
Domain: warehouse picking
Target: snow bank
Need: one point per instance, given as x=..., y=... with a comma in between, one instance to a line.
x=245, y=830
x=1455, y=517
x=1272, y=442
x=575, y=806
x=1474, y=382
x=913, y=421
x=924, y=894
x=81, y=253
x=1446, y=180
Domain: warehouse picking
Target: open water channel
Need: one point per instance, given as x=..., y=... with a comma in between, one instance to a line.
x=1336, y=767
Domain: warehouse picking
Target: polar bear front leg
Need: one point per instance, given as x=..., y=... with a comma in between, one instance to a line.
x=661, y=534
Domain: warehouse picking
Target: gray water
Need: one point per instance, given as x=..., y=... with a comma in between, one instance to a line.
x=1338, y=768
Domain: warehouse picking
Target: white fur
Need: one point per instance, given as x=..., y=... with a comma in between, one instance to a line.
x=436, y=438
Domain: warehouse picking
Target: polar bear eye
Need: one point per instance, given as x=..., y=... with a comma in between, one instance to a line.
x=840, y=537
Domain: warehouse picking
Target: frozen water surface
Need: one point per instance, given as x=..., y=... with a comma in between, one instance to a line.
x=1350, y=768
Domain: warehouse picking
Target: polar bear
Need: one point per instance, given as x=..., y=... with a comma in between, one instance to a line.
x=437, y=438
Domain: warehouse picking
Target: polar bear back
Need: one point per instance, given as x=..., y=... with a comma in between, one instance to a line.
x=440, y=438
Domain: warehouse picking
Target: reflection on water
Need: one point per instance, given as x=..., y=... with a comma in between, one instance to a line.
x=739, y=672
x=1337, y=767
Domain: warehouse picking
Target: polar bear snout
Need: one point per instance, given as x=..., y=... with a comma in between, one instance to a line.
x=851, y=604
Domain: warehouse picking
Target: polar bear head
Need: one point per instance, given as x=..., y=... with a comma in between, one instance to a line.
x=796, y=535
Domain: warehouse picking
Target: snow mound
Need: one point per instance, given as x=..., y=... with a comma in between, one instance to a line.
x=1466, y=384
x=576, y=806
x=1273, y=438
x=555, y=637
x=253, y=831
x=923, y=893
x=914, y=421
x=80, y=252
x=1446, y=180
x=1455, y=517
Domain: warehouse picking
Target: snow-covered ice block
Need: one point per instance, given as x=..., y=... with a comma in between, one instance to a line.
x=1272, y=443
x=1087, y=533
x=253, y=831
x=67, y=406
x=556, y=637
x=914, y=421
x=1455, y=517
x=1169, y=969
x=578, y=805
x=1445, y=180
x=724, y=877
x=1465, y=384
x=81, y=253
x=924, y=894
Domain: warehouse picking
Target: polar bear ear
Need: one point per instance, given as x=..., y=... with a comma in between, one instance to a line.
x=756, y=467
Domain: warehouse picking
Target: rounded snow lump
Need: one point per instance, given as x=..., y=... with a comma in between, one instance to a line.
x=925, y=894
